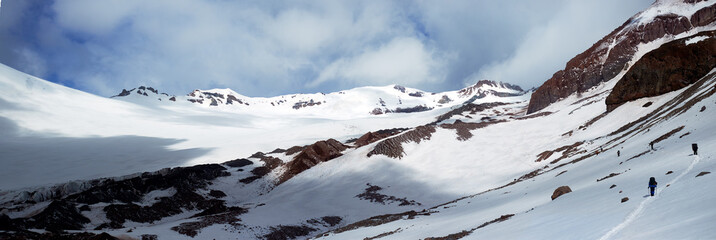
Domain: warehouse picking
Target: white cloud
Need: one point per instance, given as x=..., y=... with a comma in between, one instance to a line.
x=32, y=63
x=402, y=60
x=91, y=16
x=263, y=48
x=546, y=48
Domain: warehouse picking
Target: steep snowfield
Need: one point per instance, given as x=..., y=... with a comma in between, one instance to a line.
x=683, y=210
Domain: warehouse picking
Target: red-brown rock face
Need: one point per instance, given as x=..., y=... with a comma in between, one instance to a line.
x=671, y=67
x=601, y=62
x=314, y=154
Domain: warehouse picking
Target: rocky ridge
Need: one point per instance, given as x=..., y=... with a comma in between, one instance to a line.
x=610, y=55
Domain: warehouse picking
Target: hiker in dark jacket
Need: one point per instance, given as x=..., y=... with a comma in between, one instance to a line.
x=652, y=185
x=695, y=148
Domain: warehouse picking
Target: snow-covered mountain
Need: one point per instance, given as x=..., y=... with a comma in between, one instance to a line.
x=351, y=103
x=663, y=21
x=477, y=167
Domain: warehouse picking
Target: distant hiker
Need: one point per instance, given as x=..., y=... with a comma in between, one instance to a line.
x=695, y=148
x=618, y=153
x=652, y=185
x=651, y=145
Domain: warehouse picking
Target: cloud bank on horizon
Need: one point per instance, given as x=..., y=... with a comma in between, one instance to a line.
x=266, y=48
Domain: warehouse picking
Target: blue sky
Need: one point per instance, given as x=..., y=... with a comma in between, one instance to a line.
x=267, y=48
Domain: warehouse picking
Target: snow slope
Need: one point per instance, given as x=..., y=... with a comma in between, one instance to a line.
x=53, y=134
x=680, y=210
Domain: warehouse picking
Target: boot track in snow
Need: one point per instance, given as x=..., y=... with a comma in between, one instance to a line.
x=636, y=213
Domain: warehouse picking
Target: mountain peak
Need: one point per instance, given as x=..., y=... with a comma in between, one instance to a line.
x=616, y=52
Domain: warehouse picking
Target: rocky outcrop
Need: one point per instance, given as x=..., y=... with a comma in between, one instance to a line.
x=561, y=191
x=371, y=194
x=321, y=151
x=463, y=128
x=122, y=198
x=471, y=108
x=673, y=66
x=303, y=104
x=609, y=56
x=393, y=147
x=372, y=137
x=480, y=89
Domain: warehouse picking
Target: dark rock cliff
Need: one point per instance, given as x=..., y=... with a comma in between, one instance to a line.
x=610, y=55
x=671, y=67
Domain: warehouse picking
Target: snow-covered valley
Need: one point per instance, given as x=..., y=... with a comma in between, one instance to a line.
x=384, y=162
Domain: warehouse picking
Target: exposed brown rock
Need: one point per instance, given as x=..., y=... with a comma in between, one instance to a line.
x=561, y=191
x=295, y=149
x=371, y=194
x=240, y=162
x=475, y=89
x=704, y=16
x=598, y=63
x=669, y=172
x=314, y=154
x=393, y=147
x=625, y=199
x=567, y=151
x=463, y=129
x=673, y=66
x=667, y=135
x=470, y=107
x=608, y=176
x=702, y=173
x=464, y=233
x=372, y=137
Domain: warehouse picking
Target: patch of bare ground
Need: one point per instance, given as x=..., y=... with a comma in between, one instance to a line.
x=536, y=115
x=321, y=151
x=702, y=173
x=591, y=98
x=285, y=232
x=608, y=176
x=470, y=107
x=371, y=194
x=385, y=234
x=371, y=137
x=685, y=134
x=584, y=105
x=327, y=221
x=377, y=220
x=229, y=217
x=463, y=129
x=393, y=147
x=464, y=233
x=667, y=135
x=294, y=150
x=592, y=121
x=638, y=155
x=560, y=173
x=237, y=163
x=567, y=151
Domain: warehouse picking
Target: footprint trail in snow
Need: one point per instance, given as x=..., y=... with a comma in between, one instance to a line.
x=636, y=213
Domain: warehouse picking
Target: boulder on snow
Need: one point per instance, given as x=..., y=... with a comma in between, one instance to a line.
x=561, y=191
x=625, y=199
x=702, y=173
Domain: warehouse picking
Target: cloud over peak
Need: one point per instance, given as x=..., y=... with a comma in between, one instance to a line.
x=266, y=48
